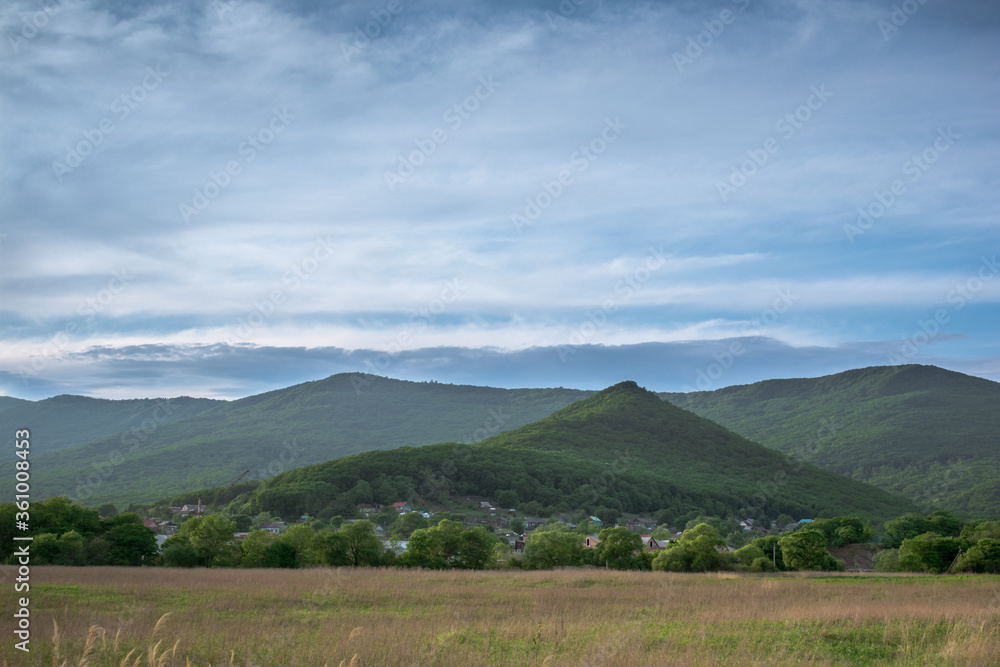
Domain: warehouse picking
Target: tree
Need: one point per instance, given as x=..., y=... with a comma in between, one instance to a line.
x=805, y=550
x=697, y=550
x=517, y=525
x=984, y=557
x=507, y=499
x=328, y=548
x=280, y=554
x=180, y=554
x=476, y=549
x=129, y=542
x=842, y=530
x=254, y=545
x=299, y=537
x=212, y=536
x=406, y=524
x=363, y=546
x=242, y=522
x=618, y=548
x=548, y=549
x=107, y=510
x=929, y=552
x=436, y=547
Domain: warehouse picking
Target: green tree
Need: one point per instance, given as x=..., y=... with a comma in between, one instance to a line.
x=299, y=537
x=406, y=524
x=517, y=525
x=72, y=549
x=280, y=554
x=619, y=548
x=547, y=549
x=363, y=546
x=507, y=499
x=212, y=536
x=476, y=549
x=129, y=542
x=984, y=557
x=929, y=552
x=697, y=550
x=107, y=510
x=329, y=548
x=805, y=550
x=180, y=554
x=242, y=522
x=253, y=546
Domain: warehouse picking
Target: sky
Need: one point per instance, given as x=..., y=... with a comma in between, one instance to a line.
x=223, y=198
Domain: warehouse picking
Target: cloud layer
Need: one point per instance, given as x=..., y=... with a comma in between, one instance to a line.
x=471, y=188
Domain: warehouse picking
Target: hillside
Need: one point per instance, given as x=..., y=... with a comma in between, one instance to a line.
x=622, y=448
x=930, y=434
x=63, y=421
x=279, y=430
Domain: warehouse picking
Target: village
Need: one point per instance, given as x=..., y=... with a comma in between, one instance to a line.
x=504, y=523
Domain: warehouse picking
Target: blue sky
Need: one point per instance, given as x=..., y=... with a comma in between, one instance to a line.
x=217, y=199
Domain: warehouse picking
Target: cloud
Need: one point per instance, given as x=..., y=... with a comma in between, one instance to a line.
x=272, y=162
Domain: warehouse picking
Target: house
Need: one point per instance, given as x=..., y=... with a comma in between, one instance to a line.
x=152, y=524
x=240, y=536
x=518, y=545
x=192, y=509
x=595, y=520
x=642, y=522
x=652, y=544
x=403, y=507
x=369, y=509
x=168, y=527
x=175, y=510
x=276, y=527
x=532, y=522
x=590, y=542
x=746, y=524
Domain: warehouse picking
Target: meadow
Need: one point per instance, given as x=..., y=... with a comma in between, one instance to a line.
x=379, y=617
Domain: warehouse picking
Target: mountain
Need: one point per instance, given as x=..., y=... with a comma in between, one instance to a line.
x=279, y=430
x=63, y=421
x=930, y=434
x=623, y=448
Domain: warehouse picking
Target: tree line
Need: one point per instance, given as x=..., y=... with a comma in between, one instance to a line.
x=69, y=534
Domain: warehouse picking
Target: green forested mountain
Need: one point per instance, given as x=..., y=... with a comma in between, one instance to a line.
x=63, y=421
x=623, y=448
x=279, y=430
x=930, y=434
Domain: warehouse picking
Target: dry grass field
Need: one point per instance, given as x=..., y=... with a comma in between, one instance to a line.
x=581, y=617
